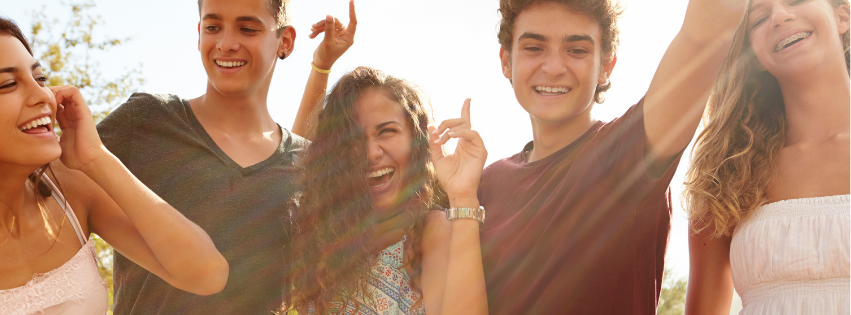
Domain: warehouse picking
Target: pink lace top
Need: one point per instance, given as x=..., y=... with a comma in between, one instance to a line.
x=76, y=287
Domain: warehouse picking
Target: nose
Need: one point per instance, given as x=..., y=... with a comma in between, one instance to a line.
x=36, y=95
x=228, y=42
x=373, y=151
x=554, y=65
x=780, y=15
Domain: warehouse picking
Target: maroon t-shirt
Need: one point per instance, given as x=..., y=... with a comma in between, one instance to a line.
x=582, y=231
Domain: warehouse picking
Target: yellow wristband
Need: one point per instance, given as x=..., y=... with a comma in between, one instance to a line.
x=319, y=70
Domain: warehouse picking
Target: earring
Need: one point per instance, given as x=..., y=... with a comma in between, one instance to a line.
x=283, y=55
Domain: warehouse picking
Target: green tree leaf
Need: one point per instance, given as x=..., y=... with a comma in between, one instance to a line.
x=672, y=301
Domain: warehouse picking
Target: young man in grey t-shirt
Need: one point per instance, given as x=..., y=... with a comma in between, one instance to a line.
x=220, y=159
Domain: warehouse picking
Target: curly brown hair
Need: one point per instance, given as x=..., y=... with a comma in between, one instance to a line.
x=734, y=157
x=334, y=226
x=605, y=12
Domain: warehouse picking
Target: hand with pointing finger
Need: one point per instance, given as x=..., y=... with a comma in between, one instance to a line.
x=459, y=172
x=338, y=38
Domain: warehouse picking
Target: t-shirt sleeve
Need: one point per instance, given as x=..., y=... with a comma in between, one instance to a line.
x=620, y=152
x=116, y=131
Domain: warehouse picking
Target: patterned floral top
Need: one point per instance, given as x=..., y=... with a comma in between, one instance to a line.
x=389, y=284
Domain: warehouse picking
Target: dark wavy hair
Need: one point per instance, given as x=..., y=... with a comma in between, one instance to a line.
x=605, y=12
x=334, y=226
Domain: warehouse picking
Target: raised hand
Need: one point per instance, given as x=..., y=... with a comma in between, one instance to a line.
x=80, y=142
x=338, y=38
x=459, y=173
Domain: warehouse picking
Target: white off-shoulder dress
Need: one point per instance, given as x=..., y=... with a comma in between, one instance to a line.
x=792, y=257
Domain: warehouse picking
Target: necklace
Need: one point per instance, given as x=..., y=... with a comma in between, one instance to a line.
x=11, y=226
x=382, y=220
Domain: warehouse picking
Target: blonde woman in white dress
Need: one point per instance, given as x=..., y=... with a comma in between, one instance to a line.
x=768, y=188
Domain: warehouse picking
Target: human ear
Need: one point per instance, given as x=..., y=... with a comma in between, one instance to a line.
x=606, y=69
x=505, y=59
x=842, y=21
x=287, y=41
x=199, y=36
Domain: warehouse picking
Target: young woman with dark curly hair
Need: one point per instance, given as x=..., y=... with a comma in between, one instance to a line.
x=371, y=233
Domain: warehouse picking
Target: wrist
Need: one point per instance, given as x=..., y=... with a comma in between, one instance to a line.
x=465, y=201
x=94, y=166
x=322, y=64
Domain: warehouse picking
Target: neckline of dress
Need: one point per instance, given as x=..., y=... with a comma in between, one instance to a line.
x=38, y=277
x=831, y=199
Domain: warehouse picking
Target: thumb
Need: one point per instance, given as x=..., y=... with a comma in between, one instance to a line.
x=435, y=149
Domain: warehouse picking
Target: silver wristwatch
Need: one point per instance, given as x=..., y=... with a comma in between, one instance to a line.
x=466, y=213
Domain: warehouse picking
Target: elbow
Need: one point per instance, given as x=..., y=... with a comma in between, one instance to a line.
x=208, y=278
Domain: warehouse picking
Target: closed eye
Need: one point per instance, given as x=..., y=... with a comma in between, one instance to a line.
x=386, y=130
x=7, y=84
x=758, y=22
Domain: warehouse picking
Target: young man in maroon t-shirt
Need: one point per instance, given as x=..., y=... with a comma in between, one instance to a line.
x=578, y=221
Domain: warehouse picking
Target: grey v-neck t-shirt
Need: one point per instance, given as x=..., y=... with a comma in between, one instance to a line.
x=244, y=210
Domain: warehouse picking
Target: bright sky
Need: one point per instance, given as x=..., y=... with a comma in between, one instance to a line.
x=447, y=47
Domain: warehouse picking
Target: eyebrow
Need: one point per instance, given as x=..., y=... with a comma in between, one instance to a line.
x=381, y=125
x=565, y=39
x=534, y=36
x=213, y=16
x=754, y=7
x=249, y=19
x=14, y=69
x=577, y=38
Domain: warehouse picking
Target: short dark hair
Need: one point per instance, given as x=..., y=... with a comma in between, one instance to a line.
x=280, y=9
x=8, y=27
x=605, y=12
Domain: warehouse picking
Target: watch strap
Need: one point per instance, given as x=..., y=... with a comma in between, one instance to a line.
x=466, y=213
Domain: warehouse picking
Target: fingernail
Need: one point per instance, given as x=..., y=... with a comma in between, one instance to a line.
x=451, y=133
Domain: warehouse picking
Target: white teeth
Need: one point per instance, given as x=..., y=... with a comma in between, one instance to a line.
x=380, y=172
x=550, y=89
x=229, y=64
x=785, y=43
x=43, y=121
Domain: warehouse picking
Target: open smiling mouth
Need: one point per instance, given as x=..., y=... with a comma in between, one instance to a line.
x=380, y=177
x=230, y=64
x=791, y=40
x=549, y=90
x=36, y=126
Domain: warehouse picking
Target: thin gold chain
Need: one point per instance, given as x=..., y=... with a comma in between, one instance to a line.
x=11, y=226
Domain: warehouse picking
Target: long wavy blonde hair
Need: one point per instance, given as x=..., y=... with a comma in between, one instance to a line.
x=734, y=158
